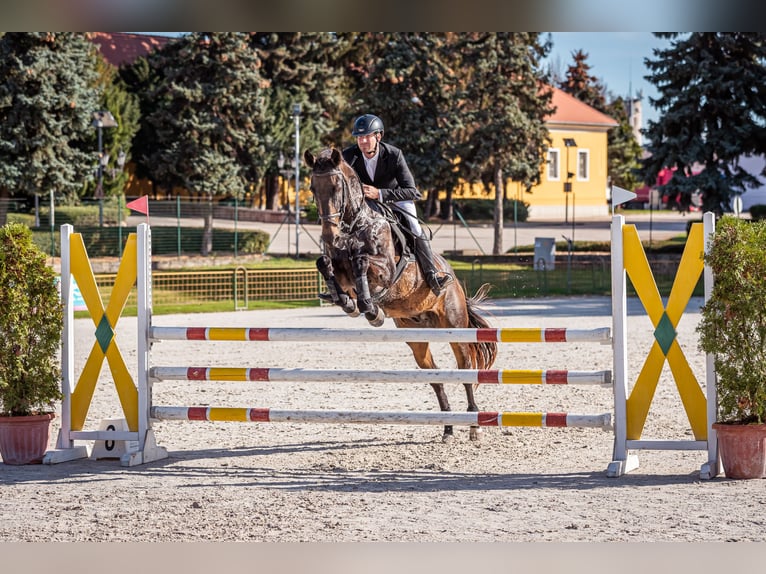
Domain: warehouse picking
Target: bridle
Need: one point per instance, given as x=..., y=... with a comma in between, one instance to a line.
x=336, y=217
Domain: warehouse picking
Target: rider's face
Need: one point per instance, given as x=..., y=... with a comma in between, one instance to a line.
x=369, y=143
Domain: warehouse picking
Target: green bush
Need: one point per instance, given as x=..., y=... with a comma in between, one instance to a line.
x=733, y=325
x=30, y=326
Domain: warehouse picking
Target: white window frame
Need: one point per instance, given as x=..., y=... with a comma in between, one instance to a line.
x=557, y=176
x=583, y=153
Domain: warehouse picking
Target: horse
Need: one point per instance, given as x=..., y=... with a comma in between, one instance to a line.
x=366, y=273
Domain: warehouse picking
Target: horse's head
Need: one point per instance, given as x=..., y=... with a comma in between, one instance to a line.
x=336, y=188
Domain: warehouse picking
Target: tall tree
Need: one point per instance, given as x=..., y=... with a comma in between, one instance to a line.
x=301, y=68
x=712, y=104
x=623, y=150
x=504, y=102
x=123, y=104
x=579, y=82
x=48, y=93
x=209, y=112
x=410, y=85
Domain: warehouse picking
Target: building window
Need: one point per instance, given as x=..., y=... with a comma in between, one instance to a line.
x=553, y=165
x=583, y=160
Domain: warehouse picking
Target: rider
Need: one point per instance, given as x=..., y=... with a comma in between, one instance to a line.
x=385, y=177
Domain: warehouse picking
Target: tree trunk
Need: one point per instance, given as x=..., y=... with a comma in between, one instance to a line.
x=448, y=213
x=497, y=248
x=207, y=232
x=272, y=192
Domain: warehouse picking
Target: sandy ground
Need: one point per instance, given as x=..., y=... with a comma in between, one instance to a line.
x=329, y=483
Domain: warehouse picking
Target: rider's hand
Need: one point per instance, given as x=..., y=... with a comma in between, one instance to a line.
x=370, y=192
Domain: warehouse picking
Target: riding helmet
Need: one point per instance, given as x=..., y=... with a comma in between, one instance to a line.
x=366, y=125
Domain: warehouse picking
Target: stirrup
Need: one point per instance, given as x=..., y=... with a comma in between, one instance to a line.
x=438, y=283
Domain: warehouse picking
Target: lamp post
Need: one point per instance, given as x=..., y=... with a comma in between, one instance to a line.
x=297, y=118
x=286, y=171
x=102, y=119
x=568, y=142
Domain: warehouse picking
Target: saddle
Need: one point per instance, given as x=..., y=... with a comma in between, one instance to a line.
x=404, y=239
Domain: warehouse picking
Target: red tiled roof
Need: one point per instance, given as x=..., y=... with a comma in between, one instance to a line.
x=571, y=111
x=120, y=48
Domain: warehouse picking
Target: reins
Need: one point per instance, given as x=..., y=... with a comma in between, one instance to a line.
x=345, y=198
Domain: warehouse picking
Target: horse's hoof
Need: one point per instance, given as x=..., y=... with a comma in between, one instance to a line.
x=350, y=308
x=448, y=438
x=376, y=320
x=474, y=434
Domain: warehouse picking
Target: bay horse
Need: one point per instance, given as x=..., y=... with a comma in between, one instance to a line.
x=365, y=273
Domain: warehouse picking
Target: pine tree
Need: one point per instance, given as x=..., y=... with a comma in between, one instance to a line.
x=209, y=115
x=504, y=103
x=580, y=84
x=124, y=106
x=623, y=150
x=712, y=106
x=48, y=93
x=408, y=83
x=301, y=68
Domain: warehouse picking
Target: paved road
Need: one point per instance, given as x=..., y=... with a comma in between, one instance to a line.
x=474, y=239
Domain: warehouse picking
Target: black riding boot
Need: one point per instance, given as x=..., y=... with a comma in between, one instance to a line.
x=425, y=258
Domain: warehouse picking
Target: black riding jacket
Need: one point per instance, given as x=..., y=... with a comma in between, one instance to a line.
x=392, y=176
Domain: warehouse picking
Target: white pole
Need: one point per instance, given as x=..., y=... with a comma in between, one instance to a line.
x=712, y=467
x=297, y=115
x=622, y=462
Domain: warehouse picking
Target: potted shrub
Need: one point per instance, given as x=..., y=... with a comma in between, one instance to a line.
x=733, y=330
x=31, y=318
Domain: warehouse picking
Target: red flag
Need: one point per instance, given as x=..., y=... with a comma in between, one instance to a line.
x=141, y=205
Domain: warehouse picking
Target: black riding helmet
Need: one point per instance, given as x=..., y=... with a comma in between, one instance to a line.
x=366, y=125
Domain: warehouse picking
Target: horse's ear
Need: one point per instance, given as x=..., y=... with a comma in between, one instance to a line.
x=309, y=159
x=335, y=157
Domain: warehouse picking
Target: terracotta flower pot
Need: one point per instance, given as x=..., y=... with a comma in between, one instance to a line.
x=24, y=440
x=742, y=449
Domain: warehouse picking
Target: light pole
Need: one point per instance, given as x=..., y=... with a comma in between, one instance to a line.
x=102, y=119
x=568, y=142
x=297, y=117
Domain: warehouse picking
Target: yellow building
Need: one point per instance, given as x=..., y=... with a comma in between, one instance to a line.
x=578, y=147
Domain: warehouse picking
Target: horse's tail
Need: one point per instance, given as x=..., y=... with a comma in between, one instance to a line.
x=484, y=353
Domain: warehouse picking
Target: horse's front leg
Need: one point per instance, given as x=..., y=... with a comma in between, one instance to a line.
x=339, y=296
x=372, y=312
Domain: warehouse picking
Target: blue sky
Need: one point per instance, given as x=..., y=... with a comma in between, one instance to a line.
x=616, y=58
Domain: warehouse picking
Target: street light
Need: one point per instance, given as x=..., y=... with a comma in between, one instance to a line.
x=102, y=119
x=297, y=164
x=568, y=142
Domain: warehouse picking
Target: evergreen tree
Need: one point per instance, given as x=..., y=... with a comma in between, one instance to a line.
x=117, y=141
x=410, y=85
x=580, y=84
x=48, y=93
x=140, y=80
x=623, y=150
x=504, y=103
x=209, y=113
x=712, y=106
x=301, y=68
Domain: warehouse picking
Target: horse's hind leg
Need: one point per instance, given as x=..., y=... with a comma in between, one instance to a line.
x=425, y=360
x=464, y=361
x=339, y=296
